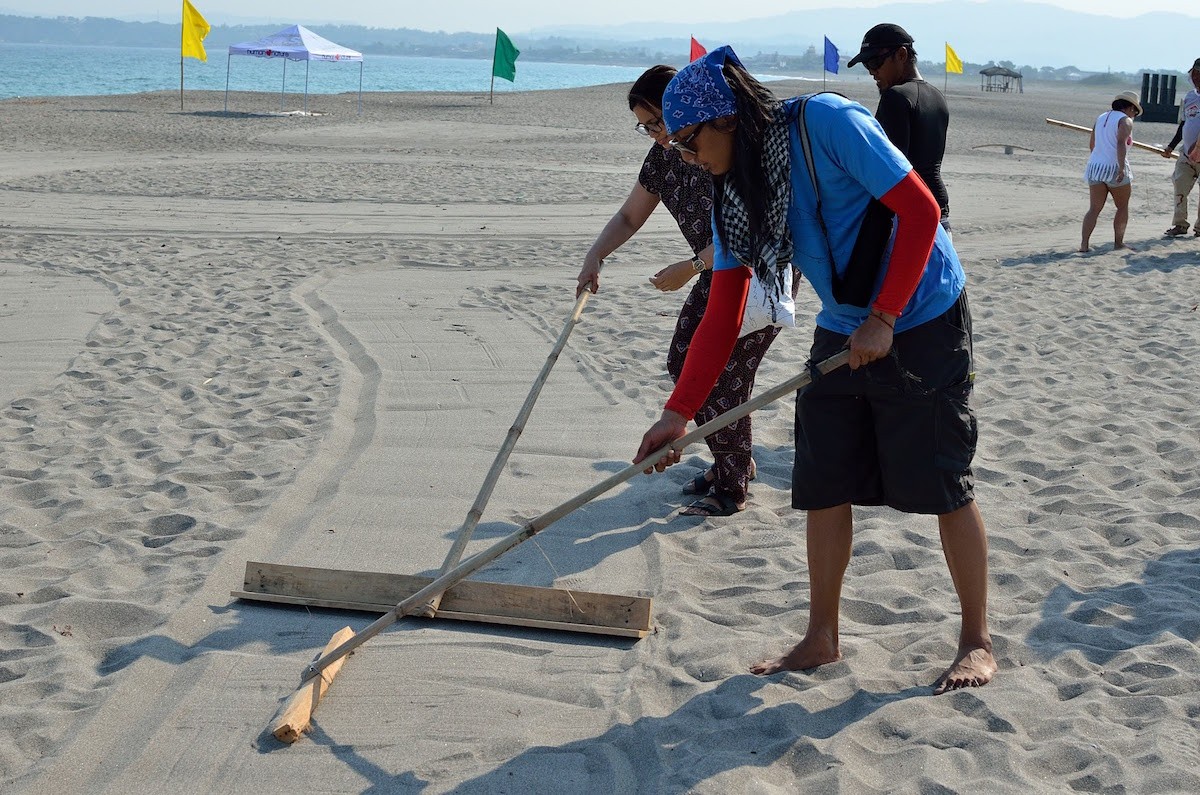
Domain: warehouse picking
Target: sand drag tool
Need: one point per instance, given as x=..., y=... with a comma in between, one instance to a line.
x=448, y=596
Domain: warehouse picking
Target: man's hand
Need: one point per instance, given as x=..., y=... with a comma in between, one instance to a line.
x=669, y=428
x=872, y=340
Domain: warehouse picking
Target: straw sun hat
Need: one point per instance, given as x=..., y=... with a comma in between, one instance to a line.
x=1132, y=98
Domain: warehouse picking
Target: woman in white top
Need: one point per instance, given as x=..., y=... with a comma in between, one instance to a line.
x=1108, y=170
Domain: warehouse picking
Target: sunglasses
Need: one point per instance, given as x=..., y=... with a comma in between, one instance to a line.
x=684, y=145
x=652, y=127
x=874, y=62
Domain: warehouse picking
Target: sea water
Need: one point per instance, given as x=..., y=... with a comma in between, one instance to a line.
x=32, y=70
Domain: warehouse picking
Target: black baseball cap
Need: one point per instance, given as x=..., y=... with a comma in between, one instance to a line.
x=880, y=39
x=1196, y=65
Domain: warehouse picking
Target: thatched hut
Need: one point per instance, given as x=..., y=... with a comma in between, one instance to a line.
x=999, y=78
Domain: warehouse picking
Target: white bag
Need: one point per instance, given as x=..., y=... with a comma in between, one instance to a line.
x=764, y=308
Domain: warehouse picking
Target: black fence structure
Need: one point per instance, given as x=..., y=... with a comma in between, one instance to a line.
x=1158, y=98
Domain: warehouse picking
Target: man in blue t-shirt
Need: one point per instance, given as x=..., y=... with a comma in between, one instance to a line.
x=897, y=428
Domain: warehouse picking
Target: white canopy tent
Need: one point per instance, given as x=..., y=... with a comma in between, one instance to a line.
x=296, y=43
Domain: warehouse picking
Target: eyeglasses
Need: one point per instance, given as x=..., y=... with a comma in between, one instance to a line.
x=874, y=62
x=684, y=145
x=652, y=127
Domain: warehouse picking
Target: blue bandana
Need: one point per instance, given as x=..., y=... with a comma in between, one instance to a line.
x=698, y=92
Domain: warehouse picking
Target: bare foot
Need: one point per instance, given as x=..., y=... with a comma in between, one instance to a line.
x=1123, y=247
x=1084, y=249
x=974, y=667
x=808, y=653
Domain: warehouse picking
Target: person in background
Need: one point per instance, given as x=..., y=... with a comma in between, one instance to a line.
x=1108, y=172
x=687, y=193
x=912, y=112
x=1187, y=169
x=897, y=428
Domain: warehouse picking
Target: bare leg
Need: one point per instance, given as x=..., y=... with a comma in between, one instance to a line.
x=1121, y=219
x=830, y=533
x=964, y=543
x=1096, y=197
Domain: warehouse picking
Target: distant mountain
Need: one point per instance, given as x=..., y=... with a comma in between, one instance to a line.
x=1040, y=40
x=991, y=30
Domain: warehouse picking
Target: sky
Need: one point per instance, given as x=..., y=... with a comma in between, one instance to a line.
x=515, y=16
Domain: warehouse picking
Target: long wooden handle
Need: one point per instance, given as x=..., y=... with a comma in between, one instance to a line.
x=1068, y=125
x=489, y=483
x=534, y=526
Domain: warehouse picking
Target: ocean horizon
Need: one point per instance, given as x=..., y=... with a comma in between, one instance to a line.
x=35, y=70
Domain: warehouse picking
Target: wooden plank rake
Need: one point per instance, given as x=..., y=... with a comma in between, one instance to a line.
x=485, y=492
x=1080, y=128
x=498, y=603
x=294, y=715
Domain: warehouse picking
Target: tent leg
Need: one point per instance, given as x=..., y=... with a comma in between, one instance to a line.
x=306, y=65
x=228, y=59
x=284, y=86
x=360, y=67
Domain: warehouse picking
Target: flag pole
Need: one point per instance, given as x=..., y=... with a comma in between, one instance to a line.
x=182, y=33
x=492, y=87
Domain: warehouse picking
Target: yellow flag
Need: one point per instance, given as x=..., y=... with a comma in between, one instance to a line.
x=195, y=28
x=953, y=62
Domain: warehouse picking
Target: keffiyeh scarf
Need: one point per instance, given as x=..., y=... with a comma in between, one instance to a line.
x=700, y=93
x=770, y=255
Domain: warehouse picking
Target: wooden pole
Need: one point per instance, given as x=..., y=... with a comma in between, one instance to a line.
x=293, y=717
x=1080, y=128
x=181, y=82
x=514, y=433
x=300, y=705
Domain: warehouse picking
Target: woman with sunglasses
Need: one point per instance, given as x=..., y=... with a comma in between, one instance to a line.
x=896, y=429
x=686, y=191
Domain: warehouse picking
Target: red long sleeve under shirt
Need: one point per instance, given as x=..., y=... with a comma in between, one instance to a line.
x=917, y=216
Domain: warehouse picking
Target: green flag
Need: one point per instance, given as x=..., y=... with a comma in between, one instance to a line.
x=504, y=62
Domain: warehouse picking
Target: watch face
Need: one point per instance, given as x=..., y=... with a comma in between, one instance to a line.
x=697, y=264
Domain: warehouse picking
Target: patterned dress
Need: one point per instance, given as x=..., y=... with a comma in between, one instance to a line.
x=686, y=192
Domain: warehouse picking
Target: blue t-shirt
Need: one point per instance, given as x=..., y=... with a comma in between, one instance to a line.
x=855, y=161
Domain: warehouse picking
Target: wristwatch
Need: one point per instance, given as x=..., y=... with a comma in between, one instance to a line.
x=698, y=264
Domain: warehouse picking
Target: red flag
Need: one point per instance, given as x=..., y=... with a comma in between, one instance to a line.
x=698, y=50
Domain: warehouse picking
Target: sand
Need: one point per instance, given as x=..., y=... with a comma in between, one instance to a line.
x=303, y=339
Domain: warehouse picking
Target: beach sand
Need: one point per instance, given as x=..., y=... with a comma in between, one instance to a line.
x=302, y=340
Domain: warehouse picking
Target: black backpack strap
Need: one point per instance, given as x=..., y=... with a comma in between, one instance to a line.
x=806, y=148
x=856, y=285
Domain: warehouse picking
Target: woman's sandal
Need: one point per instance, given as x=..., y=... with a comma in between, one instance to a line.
x=702, y=484
x=725, y=506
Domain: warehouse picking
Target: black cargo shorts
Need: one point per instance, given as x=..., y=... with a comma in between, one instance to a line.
x=899, y=431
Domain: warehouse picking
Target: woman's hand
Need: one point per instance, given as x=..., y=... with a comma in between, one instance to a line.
x=872, y=340
x=674, y=276
x=669, y=428
x=589, y=276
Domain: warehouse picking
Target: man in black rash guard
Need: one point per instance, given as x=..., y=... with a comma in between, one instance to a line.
x=912, y=112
